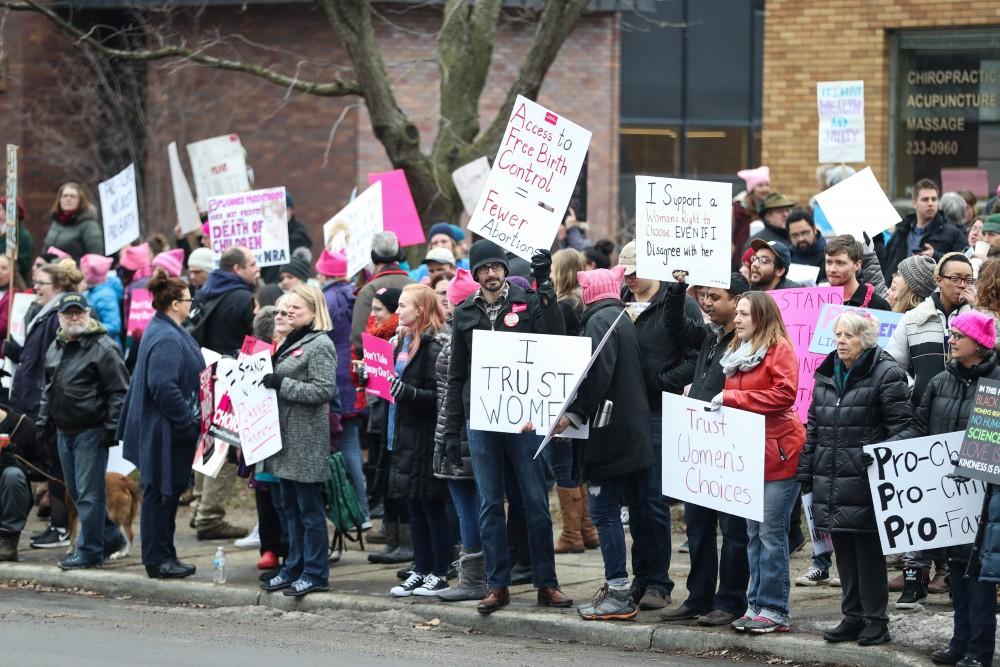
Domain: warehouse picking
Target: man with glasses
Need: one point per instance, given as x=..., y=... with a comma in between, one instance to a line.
x=86, y=383
x=501, y=306
x=806, y=242
x=769, y=266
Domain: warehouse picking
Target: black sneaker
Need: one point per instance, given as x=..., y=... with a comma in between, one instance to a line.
x=77, y=562
x=432, y=584
x=52, y=538
x=405, y=589
x=914, y=588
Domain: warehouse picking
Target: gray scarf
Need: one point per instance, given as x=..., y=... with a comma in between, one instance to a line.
x=742, y=359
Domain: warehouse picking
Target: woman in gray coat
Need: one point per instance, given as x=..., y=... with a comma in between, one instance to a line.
x=305, y=365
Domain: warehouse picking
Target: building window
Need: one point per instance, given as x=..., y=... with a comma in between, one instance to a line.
x=716, y=153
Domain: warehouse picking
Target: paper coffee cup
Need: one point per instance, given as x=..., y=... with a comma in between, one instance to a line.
x=982, y=248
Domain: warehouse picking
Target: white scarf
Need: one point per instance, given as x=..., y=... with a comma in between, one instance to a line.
x=742, y=359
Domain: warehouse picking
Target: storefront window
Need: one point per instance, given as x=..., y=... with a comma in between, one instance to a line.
x=716, y=153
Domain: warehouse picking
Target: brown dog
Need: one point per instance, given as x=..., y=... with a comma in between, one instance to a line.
x=122, y=497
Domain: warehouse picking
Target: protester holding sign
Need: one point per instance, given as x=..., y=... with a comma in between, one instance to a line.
x=25, y=244
x=386, y=255
x=861, y=397
x=74, y=228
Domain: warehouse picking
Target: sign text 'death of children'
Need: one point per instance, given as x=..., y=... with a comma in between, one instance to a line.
x=254, y=220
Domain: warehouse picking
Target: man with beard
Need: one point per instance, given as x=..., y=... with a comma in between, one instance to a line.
x=807, y=242
x=769, y=266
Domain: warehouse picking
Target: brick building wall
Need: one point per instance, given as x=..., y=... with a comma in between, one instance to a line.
x=825, y=40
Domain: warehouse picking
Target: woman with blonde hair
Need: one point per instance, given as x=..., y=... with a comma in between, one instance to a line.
x=74, y=228
x=912, y=283
x=988, y=293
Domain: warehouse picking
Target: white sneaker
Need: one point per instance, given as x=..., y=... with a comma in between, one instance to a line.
x=835, y=582
x=431, y=586
x=624, y=515
x=405, y=589
x=366, y=525
x=251, y=541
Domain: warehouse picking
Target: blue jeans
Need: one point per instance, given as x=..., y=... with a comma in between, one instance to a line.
x=350, y=448
x=84, y=463
x=465, y=498
x=730, y=572
x=308, y=555
x=975, y=630
x=604, y=499
x=559, y=455
x=429, y=532
x=649, y=521
x=489, y=450
x=770, y=584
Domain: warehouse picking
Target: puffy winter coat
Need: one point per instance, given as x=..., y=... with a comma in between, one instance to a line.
x=340, y=302
x=29, y=380
x=985, y=561
x=80, y=235
x=873, y=405
x=769, y=389
x=105, y=300
x=443, y=468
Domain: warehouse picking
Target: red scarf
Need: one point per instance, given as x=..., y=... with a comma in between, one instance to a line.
x=384, y=331
x=67, y=217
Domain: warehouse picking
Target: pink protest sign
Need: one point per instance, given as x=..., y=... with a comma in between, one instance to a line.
x=378, y=366
x=976, y=181
x=140, y=310
x=253, y=346
x=800, y=309
x=399, y=213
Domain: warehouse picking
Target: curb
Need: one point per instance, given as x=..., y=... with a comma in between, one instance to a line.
x=519, y=620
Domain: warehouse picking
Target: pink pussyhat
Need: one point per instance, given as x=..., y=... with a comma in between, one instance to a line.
x=61, y=254
x=754, y=177
x=462, y=286
x=601, y=283
x=332, y=264
x=95, y=268
x=135, y=257
x=977, y=326
x=171, y=261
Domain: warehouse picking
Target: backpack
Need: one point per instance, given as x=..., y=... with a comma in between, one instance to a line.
x=199, y=317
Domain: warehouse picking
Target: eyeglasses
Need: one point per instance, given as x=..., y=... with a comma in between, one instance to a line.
x=281, y=313
x=38, y=283
x=956, y=335
x=764, y=261
x=184, y=300
x=958, y=281
x=493, y=267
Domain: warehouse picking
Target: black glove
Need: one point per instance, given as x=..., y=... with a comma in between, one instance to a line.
x=806, y=486
x=272, y=381
x=362, y=376
x=867, y=459
x=453, y=450
x=541, y=266
x=401, y=391
x=110, y=438
x=12, y=350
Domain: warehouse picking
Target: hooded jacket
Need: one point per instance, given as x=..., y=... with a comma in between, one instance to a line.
x=232, y=318
x=709, y=343
x=80, y=235
x=940, y=234
x=105, y=301
x=339, y=297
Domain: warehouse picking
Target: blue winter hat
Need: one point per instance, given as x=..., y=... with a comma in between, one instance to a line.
x=443, y=228
x=289, y=202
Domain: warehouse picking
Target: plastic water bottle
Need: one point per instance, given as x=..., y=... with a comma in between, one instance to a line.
x=219, y=574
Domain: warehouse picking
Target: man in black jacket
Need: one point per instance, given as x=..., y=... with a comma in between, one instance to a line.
x=732, y=573
x=15, y=490
x=500, y=306
x=86, y=383
x=923, y=232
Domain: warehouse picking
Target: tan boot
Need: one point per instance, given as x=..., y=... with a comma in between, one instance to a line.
x=587, y=530
x=569, y=542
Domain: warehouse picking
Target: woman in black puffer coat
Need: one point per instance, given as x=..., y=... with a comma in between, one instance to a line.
x=861, y=397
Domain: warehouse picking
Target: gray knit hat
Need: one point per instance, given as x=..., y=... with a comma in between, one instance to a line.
x=918, y=274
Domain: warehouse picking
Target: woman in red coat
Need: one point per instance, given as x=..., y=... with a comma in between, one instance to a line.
x=762, y=376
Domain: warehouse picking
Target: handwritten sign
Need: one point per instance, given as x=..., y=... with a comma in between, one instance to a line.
x=821, y=540
x=399, y=213
x=917, y=505
x=210, y=453
x=532, y=179
x=713, y=459
x=519, y=379
x=683, y=225
x=256, y=408
x=224, y=426
x=353, y=229
x=219, y=167
x=470, y=180
x=119, y=210
x=979, y=457
x=379, y=366
x=256, y=220
x=11, y=209
x=823, y=341
x=140, y=310
x=841, y=121
x=187, y=211
x=857, y=205
x=800, y=310
x=18, y=328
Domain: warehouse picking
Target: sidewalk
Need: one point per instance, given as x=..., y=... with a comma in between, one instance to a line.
x=358, y=585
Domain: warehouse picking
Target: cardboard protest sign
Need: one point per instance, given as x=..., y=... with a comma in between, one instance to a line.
x=979, y=457
x=379, y=366
x=800, y=310
x=219, y=167
x=976, y=181
x=821, y=540
x=119, y=210
x=532, y=179
x=399, y=213
x=713, y=459
x=256, y=220
x=353, y=229
x=18, y=327
x=917, y=505
x=520, y=378
x=841, y=107
x=11, y=209
x=823, y=341
x=140, y=310
x=858, y=205
x=210, y=453
x=469, y=180
x=683, y=225
x=256, y=407
x=804, y=274
x=187, y=211
x=224, y=426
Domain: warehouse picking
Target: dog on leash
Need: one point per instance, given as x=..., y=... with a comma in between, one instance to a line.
x=122, y=498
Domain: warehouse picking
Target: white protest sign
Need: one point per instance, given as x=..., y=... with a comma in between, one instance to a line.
x=353, y=229
x=683, y=225
x=119, y=210
x=469, y=180
x=841, y=106
x=256, y=407
x=804, y=274
x=821, y=540
x=219, y=167
x=256, y=220
x=713, y=458
x=11, y=209
x=857, y=204
x=187, y=211
x=533, y=177
x=18, y=328
x=521, y=378
x=917, y=506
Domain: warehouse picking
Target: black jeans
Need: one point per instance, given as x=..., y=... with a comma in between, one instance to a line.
x=864, y=582
x=431, y=536
x=975, y=602
x=731, y=573
x=157, y=524
x=649, y=521
x=15, y=499
x=273, y=532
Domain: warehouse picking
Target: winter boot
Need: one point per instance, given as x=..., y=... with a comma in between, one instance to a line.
x=610, y=604
x=391, y=543
x=378, y=536
x=914, y=588
x=471, y=579
x=939, y=584
x=403, y=553
x=8, y=545
x=569, y=541
x=587, y=530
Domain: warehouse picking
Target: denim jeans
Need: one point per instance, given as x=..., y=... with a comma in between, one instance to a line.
x=308, y=554
x=429, y=532
x=604, y=498
x=770, y=583
x=975, y=630
x=84, y=463
x=649, y=521
x=489, y=450
x=465, y=498
x=559, y=455
x=823, y=561
x=350, y=448
x=730, y=572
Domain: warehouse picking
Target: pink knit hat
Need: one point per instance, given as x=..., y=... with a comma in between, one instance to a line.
x=171, y=261
x=977, y=326
x=754, y=177
x=601, y=283
x=95, y=268
x=135, y=257
x=462, y=286
x=332, y=264
x=61, y=254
